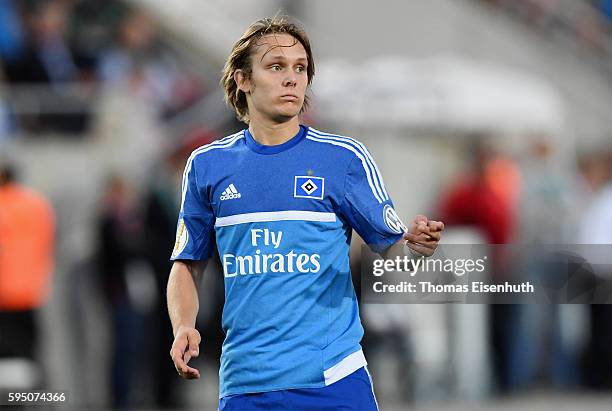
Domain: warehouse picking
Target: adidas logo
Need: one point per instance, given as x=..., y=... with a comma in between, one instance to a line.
x=230, y=193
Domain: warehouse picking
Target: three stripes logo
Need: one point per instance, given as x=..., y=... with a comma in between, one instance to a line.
x=230, y=193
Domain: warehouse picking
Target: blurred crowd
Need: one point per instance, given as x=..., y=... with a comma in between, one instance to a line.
x=58, y=57
x=518, y=198
x=584, y=22
x=523, y=199
x=100, y=76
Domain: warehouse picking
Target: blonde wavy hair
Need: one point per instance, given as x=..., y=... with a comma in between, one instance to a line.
x=240, y=59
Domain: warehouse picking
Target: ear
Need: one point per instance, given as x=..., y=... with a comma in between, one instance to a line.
x=242, y=81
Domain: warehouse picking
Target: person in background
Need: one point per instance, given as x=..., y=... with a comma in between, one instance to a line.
x=596, y=169
x=140, y=62
x=11, y=31
x=486, y=198
x=27, y=227
x=47, y=62
x=546, y=345
x=160, y=207
x=119, y=232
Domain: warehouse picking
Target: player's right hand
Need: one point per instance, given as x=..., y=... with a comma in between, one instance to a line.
x=185, y=347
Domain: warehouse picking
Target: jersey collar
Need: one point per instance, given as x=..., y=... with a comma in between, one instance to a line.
x=262, y=149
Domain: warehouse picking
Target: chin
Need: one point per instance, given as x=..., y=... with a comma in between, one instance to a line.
x=286, y=115
x=283, y=118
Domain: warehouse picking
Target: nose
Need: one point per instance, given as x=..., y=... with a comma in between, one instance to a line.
x=290, y=80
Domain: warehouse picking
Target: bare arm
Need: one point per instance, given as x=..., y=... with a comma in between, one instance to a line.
x=183, y=305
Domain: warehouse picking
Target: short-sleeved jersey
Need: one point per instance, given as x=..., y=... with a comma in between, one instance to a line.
x=282, y=218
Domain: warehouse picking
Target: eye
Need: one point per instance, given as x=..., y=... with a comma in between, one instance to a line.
x=275, y=67
x=300, y=69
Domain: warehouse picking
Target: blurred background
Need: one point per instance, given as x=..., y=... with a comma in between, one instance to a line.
x=494, y=116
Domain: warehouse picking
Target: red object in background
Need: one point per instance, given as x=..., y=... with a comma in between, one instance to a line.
x=486, y=201
x=472, y=202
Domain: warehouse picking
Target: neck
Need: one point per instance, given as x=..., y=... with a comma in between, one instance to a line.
x=272, y=133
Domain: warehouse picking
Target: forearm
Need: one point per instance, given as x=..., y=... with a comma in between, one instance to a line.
x=182, y=294
x=399, y=249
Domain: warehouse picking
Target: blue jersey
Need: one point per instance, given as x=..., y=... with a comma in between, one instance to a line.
x=282, y=217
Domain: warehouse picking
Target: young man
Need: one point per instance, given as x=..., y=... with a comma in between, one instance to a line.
x=281, y=199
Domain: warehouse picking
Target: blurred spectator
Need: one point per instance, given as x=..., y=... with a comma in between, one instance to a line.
x=160, y=210
x=606, y=8
x=545, y=198
x=26, y=263
x=486, y=199
x=11, y=31
x=47, y=63
x=91, y=29
x=47, y=57
x=140, y=62
x=585, y=23
x=161, y=206
x=4, y=111
x=543, y=343
x=128, y=285
x=597, y=229
x=4, y=121
x=595, y=172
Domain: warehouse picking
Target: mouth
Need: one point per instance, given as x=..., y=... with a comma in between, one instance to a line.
x=289, y=97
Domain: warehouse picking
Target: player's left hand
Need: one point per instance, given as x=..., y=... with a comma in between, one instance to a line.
x=424, y=235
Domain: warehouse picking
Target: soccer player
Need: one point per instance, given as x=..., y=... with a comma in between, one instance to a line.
x=281, y=200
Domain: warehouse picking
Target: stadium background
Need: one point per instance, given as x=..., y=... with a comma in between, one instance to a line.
x=514, y=94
